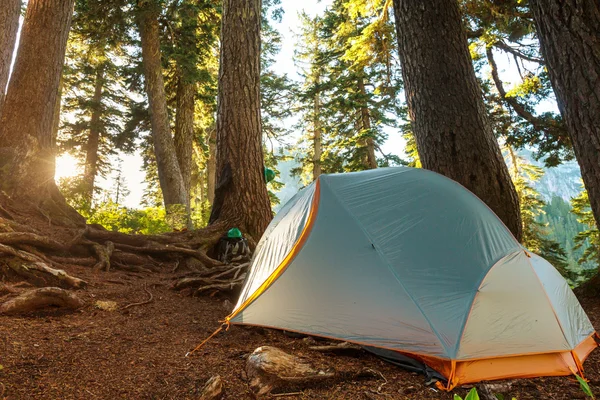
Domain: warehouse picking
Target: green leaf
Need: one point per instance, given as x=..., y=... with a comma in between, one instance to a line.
x=457, y=397
x=585, y=387
x=473, y=395
x=499, y=396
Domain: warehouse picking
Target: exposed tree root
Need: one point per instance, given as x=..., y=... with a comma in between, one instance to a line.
x=33, y=268
x=103, y=253
x=38, y=299
x=225, y=278
x=37, y=240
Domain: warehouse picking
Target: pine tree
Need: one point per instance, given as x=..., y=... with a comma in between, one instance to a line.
x=588, y=239
x=241, y=197
x=535, y=233
x=350, y=86
x=94, y=96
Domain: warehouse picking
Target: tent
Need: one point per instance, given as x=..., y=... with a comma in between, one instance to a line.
x=408, y=261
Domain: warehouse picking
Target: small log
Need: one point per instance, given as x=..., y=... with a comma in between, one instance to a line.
x=38, y=299
x=269, y=368
x=213, y=389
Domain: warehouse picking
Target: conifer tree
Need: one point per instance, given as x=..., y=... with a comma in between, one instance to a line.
x=588, y=239
x=535, y=233
x=350, y=86
x=94, y=97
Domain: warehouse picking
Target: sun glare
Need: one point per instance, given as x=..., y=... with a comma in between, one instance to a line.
x=66, y=166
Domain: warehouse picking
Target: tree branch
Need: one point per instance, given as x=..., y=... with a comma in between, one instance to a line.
x=505, y=47
x=537, y=123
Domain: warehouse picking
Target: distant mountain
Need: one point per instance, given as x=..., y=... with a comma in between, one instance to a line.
x=563, y=181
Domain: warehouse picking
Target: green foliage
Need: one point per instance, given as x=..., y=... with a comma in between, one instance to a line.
x=590, y=237
x=585, y=388
x=472, y=395
x=508, y=29
x=535, y=233
x=94, y=90
x=349, y=88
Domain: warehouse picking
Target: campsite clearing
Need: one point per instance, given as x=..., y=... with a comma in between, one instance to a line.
x=139, y=352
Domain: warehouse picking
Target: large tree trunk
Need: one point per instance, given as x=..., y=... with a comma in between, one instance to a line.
x=370, y=161
x=211, y=165
x=91, y=156
x=452, y=130
x=569, y=33
x=184, y=131
x=26, y=143
x=241, y=197
x=9, y=23
x=169, y=173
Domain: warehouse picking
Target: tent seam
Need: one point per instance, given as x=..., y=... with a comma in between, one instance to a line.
x=387, y=263
x=466, y=318
x=562, y=330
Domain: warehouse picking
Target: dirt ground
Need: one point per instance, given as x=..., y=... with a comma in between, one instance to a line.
x=139, y=352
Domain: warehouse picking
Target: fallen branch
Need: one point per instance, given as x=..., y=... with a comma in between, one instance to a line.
x=38, y=299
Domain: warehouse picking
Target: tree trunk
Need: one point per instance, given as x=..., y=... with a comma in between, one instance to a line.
x=26, y=143
x=91, y=157
x=211, y=165
x=9, y=24
x=184, y=131
x=169, y=173
x=317, y=136
x=569, y=33
x=453, y=134
x=241, y=197
x=370, y=161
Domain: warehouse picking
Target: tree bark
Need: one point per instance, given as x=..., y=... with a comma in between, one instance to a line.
x=453, y=134
x=370, y=161
x=184, y=131
x=569, y=33
x=26, y=143
x=211, y=165
x=241, y=197
x=91, y=157
x=9, y=24
x=169, y=173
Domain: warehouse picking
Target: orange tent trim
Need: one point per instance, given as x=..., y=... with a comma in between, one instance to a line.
x=289, y=258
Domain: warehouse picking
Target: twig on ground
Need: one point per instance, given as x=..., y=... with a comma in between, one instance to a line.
x=142, y=302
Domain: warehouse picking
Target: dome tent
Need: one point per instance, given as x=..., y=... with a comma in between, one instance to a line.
x=409, y=261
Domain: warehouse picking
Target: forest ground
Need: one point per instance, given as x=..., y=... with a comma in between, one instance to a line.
x=139, y=352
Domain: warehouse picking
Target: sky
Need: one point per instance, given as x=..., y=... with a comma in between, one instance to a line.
x=132, y=164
